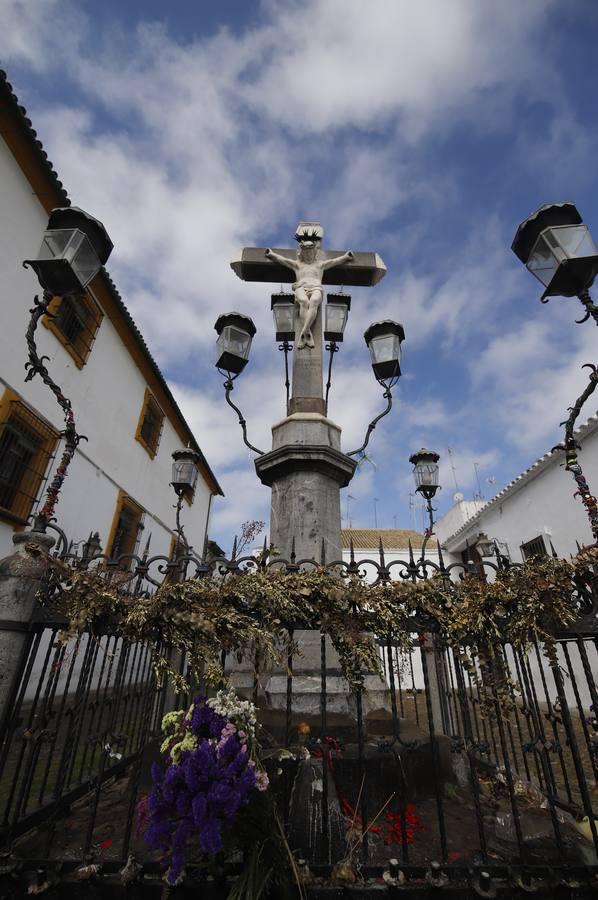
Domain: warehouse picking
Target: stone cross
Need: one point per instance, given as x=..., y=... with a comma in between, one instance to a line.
x=309, y=268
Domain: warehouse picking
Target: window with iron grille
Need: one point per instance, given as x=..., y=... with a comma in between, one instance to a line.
x=149, y=427
x=536, y=547
x=26, y=448
x=126, y=528
x=74, y=321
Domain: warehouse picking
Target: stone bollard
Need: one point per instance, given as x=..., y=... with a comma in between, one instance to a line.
x=21, y=576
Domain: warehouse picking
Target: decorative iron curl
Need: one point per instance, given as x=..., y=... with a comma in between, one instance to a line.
x=570, y=446
x=591, y=308
x=228, y=387
x=387, y=396
x=429, y=531
x=36, y=366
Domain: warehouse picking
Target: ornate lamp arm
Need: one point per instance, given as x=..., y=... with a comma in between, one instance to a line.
x=286, y=347
x=228, y=387
x=571, y=446
x=36, y=366
x=590, y=307
x=180, y=532
x=332, y=348
x=387, y=396
x=430, y=529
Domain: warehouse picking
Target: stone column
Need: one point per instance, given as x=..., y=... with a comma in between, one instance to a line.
x=308, y=394
x=306, y=468
x=21, y=576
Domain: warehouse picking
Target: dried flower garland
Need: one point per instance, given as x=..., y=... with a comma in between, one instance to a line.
x=255, y=613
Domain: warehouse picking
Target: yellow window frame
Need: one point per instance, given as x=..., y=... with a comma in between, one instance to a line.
x=124, y=501
x=149, y=401
x=14, y=411
x=81, y=347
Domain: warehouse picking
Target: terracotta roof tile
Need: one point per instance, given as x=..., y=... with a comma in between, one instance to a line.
x=392, y=538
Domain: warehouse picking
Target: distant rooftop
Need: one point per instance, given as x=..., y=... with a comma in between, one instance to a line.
x=392, y=538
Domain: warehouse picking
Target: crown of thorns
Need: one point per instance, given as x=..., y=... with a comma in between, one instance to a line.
x=306, y=234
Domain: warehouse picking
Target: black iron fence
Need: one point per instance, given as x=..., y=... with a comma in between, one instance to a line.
x=430, y=774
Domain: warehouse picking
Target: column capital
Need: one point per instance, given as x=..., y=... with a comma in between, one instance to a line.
x=305, y=458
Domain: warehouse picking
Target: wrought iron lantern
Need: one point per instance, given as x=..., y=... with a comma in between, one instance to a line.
x=484, y=545
x=425, y=472
x=74, y=248
x=384, y=343
x=92, y=546
x=337, y=313
x=184, y=470
x=235, y=333
x=558, y=249
x=283, y=310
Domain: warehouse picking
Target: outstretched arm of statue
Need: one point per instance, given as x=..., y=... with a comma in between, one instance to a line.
x=337, y=260
x=282, y=260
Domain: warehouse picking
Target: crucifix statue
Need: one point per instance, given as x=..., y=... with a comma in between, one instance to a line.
x=309, y=267
x=306, y=467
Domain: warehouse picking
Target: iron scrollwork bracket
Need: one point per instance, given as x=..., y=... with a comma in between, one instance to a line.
x=387, y=396
x=228, y=387
x=36, y=365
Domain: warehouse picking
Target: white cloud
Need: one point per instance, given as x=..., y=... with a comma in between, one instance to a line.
x=189, y=149
x=531, y=375
x=342, y=62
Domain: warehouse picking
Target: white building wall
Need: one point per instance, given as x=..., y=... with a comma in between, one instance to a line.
x=107, y=396
x=540, y=502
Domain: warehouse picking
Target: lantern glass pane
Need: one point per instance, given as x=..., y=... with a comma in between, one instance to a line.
x=85, y=260
x=543, y=261
x=184, y=473
x=54, y=243
x=384, y=348
x=233, y=340
x=284, y=317
x=426, y=474
x=575, y=240
x=73, y=247
x=336, y=317
x=484, y=545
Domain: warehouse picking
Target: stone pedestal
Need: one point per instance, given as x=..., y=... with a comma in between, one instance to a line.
x=306, y=470
x=21, y=576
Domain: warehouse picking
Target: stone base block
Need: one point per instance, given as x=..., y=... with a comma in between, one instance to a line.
x=339, y=699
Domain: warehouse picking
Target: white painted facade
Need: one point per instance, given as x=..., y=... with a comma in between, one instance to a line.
x=538, y=503
x=107, y=396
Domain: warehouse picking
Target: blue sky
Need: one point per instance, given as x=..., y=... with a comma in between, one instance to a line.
x=424, y=131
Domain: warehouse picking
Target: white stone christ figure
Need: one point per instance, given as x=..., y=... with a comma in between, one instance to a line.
x=308, y=287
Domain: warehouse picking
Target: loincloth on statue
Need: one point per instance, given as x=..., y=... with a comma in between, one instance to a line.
x=307, y=285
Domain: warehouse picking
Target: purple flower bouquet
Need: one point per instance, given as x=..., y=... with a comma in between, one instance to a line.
x=208, y=775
